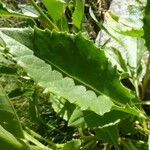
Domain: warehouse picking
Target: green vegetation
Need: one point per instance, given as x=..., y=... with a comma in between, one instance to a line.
x=59, y=91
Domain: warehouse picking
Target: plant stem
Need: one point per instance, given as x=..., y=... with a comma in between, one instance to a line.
x=39, y=137
x=50, y=24
x=38, y=148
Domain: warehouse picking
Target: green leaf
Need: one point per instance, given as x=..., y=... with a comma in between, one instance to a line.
x=131, y=25
x=147, y=25
x=8, y=117
x=106, y=73
x=78, y=14
x=65, y=88
x=80, y=59
x=72, y=145
x=132, y=47
x=131, y=110
x=39, y=145
x=62, y=24
x=104, y=28
x=77, y=119
x=54, y=82
x=82, y=119
x=128, y=128
x=6, y=12
x=108, y=135
x=23, y=36
x=116, y=58
x=28, y=10
x=55, y=8
x=61, y=106
x=8, y=141
x=134, y=145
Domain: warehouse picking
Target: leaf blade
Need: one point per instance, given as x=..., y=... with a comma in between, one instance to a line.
x=53, y=81
x=78, y=14
x=8, y=117
x=75, y=60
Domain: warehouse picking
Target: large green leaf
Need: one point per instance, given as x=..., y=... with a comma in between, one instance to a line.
x=80, y=59
x=54, y=82
x=105, y=72
x=8, y=117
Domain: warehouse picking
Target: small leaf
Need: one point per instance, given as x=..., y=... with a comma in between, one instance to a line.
x=29, y=10
x=61, y=106
x=131, y=110
x=78, y=13
x=77, y=119
x=72, y=145
x=6, y=12
x=55, y=8
x=116, y=58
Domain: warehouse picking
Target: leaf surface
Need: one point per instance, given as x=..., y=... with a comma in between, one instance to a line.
x=80, y=59
x=78, y=13
x=55, y=8
x=54, y=82
x=64, y=87
x=108, y=134
x=72, y=145
x=8, y=117
x=6, y=12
